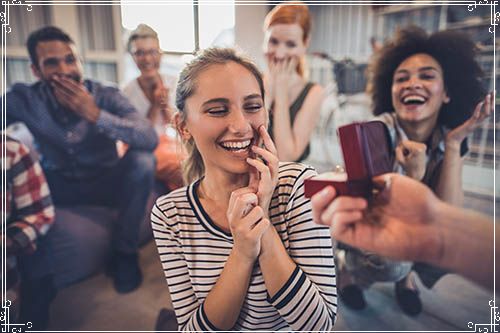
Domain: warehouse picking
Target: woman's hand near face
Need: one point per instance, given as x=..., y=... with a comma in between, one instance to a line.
x=247, y=223
x=284, y=71
x=160, y=96
x=449, y=185
x=264, y=174
x=412, y=157
x=159, y=103
x=482, y=111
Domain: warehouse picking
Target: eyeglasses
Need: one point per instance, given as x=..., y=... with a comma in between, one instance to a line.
x=143, y=53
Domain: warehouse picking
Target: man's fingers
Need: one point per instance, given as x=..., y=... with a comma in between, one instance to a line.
x=61, y=92
x=71, y=83
x=64, y=98
x=58, y=84
x=320, y=201
x=342, y=204
x=343, y=220
x=345, y=231
x=68, y=84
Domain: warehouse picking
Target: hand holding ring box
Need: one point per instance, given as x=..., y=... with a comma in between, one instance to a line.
x=367, y=151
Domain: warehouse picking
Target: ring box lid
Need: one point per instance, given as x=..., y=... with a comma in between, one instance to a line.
x=367, y=151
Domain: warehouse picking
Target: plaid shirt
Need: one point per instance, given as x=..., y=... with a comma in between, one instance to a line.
x=28, y=212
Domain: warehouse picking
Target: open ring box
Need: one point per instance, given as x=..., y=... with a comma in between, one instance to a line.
x=367, y=151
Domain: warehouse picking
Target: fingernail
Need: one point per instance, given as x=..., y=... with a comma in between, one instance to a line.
x=324, y=192
x=363, y=203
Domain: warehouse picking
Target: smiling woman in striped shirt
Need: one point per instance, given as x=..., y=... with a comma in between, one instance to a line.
x=238, y=245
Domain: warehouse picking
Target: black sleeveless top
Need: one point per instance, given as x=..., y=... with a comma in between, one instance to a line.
x=294, y=109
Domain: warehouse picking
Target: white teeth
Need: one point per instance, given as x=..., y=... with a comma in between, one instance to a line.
x=413, y=98
x=236, y=145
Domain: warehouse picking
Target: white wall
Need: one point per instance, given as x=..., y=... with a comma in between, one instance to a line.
x=343, y=31
x=248, y=33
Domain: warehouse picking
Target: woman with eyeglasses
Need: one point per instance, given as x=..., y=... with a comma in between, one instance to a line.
x=151, y=94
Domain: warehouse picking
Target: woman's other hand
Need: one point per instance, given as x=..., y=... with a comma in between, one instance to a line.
x=412, y=157
x=283, y=74
x=246, y=222
x=482, y=111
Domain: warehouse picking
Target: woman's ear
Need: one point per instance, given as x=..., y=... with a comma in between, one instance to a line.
x=180, y=126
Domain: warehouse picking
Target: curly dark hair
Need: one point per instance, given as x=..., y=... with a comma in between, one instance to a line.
x=454, y=51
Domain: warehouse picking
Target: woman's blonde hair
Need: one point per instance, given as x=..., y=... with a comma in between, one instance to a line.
x=193, y=167
x=292, y=13
x=142, y=31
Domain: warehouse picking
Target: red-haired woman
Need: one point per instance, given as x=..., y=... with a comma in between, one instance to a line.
x=294, y=102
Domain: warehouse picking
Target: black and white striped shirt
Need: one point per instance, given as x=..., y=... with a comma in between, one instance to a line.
x=193, y=251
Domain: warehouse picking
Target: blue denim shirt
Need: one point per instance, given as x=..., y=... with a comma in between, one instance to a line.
x=69, y=144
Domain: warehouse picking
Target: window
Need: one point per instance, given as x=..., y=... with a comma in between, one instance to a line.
x=95, y=30
x=18, y=64
x=184, y=28
x=22, y=26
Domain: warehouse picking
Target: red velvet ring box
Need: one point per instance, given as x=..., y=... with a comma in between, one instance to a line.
x=367, y=151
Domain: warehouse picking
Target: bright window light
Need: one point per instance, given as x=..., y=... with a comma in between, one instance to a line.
x=175, y=23
x=216, y=24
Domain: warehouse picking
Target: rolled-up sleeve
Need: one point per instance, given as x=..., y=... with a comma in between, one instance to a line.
x=120, y=121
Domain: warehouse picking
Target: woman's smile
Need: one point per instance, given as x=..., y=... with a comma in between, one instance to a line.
x=237, y=148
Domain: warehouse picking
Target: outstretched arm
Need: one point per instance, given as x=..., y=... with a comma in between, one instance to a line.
x=408, y=222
